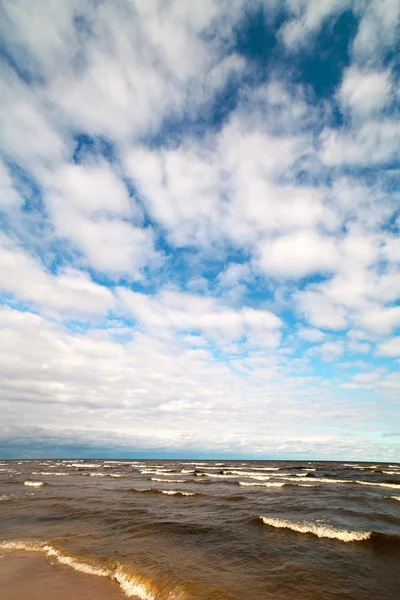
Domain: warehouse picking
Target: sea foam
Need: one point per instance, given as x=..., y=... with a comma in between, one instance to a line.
x=265, y=484
x=320, y=531
x=34, y=483
x=131, y=584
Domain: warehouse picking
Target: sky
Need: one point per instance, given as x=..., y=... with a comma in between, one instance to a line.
x=199, y=229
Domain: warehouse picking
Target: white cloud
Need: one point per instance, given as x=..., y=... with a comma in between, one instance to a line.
x=298, y=254
x=9, y=197
x=151, y=389
x=328, y=351
x=374, y=143
x=177, y=311
x=381, y=320
x=320, y=311
x=308, y=15
x=311, y=335
x=363, y=92
x=72, y=291
x=377, y=31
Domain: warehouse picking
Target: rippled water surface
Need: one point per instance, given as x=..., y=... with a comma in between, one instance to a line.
x=212, y=530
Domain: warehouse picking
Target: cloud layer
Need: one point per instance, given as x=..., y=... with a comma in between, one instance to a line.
x=200, y=227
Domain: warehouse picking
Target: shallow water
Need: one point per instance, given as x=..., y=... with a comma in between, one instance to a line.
x=212, y=530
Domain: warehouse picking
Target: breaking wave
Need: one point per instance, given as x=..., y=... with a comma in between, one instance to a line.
x=169, y=480
x=132, y=584
x=376, y=538
x=320, y=531
x=34, y=483
x=167, y=492
x=265, y=484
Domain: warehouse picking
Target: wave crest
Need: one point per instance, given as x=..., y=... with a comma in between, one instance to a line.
x=343, y=535
x=34, y=483
x=132, y=584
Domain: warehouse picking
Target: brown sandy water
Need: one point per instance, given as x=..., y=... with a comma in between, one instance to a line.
x=172, y=530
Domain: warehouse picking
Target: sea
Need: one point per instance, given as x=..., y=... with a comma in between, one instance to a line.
x=211, y=530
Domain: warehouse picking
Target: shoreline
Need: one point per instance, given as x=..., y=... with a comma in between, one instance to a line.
x=25, y=574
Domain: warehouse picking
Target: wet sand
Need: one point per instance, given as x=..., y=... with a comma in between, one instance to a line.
x=32, y=576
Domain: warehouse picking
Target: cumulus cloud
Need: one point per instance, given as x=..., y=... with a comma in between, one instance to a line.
x=71, y=292
x=364, y=93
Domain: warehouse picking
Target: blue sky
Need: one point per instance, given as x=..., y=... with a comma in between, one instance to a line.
x=199, y=211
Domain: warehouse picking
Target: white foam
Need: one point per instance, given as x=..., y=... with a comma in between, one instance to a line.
x=322, y=532
x=266, y=484
x=51, y=473
x=84, y=466
x=130, y=584
x=177, y=492
x=132, y=587
x=78, y=565
x=4, y=498
x=395, y=498
x=33, y=483
x=265, y=468
x=169, y=480
x=393, y=486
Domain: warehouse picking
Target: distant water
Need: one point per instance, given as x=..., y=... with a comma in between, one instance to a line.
x=212, y=530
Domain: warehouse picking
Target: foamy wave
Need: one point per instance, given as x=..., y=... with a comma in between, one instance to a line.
x=84, y=465
x=322, y=532
x=395, y=498
x=346, y=481
x=393, y=486
x=34, y=483
x=131, y=585
x=4, y=498
x=266, y=484
x=177, y=493
x=169, y=480
x=265, y=468
x=61, y=557
x=78, y=565
x=59, y=474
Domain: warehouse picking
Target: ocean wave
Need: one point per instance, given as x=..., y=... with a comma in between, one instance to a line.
x=343, y=535
x=265, y=484
x=169, y=480
x=394, y=486
x=51, y=473
x=4, y=498
x=395, y=498
x=34, y=483
x=177, y=492
x=167, y=492
x=347, y=481
x=132, y=584
x=84, y=466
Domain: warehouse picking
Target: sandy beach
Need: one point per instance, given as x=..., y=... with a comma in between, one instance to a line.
x=32, y=576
